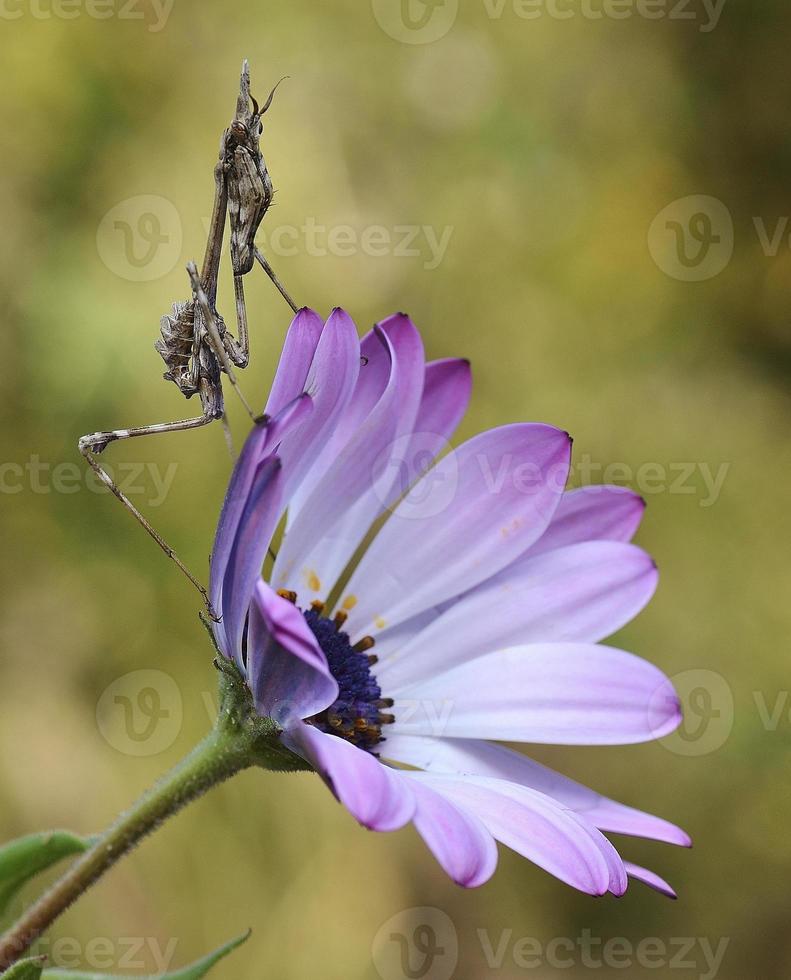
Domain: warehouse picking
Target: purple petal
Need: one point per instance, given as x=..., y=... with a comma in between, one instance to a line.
x=594, y=513
x=330, y=383
x=534, y=826
x=232, y=508
x=455, y=836
x=298, y=351
x=478, y=758
x=469, y=517
x=256, y=526
x=336, y=517
x=262, y=439
x=287, y=670
x=391, y=640
x=618, y=879
x=446, y=393
x=649, y=878
x=372, y=378
x=556, y=693
x=376, y=796
x=581, y=593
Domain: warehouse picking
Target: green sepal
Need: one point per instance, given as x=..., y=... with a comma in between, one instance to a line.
x=23, y=859
x=193, y=972
x=260, y=737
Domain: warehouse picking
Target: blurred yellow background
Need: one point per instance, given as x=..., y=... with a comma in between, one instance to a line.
x=543, y=163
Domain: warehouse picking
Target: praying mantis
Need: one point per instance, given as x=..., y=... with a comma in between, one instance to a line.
x=195, y=343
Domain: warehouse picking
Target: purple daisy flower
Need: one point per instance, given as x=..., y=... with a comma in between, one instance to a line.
x=401, y=635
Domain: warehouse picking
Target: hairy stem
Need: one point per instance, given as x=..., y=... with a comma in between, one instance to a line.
x=239, y=740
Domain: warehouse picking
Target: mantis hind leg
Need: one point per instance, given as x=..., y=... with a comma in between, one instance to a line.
x=91, y=446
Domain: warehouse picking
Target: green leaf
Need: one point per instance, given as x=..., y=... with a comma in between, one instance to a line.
x=194, y=972
x=26, y=969
x=22, y=859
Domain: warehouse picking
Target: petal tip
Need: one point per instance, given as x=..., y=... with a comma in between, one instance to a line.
x=469, y=883
x=306, y=313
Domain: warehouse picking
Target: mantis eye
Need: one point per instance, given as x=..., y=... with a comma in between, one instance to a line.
x=260, y=128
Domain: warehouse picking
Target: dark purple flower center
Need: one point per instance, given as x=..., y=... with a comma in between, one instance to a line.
x=356, y=714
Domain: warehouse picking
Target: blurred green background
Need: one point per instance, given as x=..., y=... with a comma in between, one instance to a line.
x=545, y=148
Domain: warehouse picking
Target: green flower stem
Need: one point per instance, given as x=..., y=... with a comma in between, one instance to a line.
x=239, y=740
